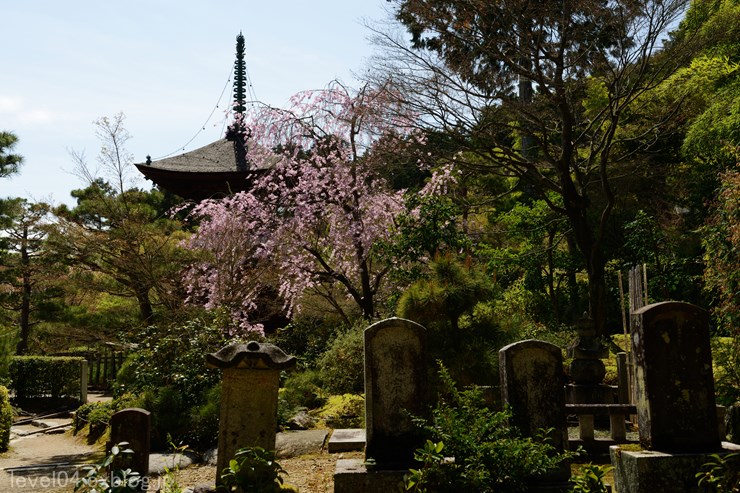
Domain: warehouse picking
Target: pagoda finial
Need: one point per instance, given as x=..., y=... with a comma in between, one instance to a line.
x=240, y=76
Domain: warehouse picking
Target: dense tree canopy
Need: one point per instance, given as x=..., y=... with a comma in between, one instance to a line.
x=9, y=162
x=582, y=68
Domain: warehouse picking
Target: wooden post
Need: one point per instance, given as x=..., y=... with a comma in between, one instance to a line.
x=83, y=381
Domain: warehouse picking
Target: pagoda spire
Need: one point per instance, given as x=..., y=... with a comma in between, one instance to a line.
x=240, y=76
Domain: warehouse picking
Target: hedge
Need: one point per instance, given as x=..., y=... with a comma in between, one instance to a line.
x=45, y=376
x=6, y=419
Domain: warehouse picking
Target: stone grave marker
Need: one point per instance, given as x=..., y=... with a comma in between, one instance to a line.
x=533, y=385
x=676, y=406
x=132, y=425
x=395, y=389
x=249, y=397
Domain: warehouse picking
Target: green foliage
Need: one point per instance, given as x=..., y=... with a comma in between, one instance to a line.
x=100, y=479
x=726, y=355
x=96, y=414
x=9, y=162
x=488, y=454
x=343, y=411
x=6, y=418
x=341, y=367
x=7, y=343
x=253, y=470
x=721, y=474
x=590, y=479
x=168, y=376
x=721, y=241
x=45, y=376
x=306, y=337
x=203, y=423
x=303, y=389
x=454, y=305
x=429, y=228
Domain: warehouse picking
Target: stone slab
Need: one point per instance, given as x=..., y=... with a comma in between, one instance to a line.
x=650, y=471
x=299, y=442
x=351, y=476
x=346, y=440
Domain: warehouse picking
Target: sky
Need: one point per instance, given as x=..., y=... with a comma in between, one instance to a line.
x=164, y=65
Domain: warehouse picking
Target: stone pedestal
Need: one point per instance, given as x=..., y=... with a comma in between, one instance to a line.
x=650, y=471
x=249, y=397
x=351, y=476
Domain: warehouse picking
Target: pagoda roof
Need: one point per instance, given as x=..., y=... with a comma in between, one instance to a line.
x=209, y=171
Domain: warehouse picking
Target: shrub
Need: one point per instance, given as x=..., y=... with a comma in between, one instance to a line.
x=590, y=479
x=45, y=376
x=168, y=377
x=303, y=389
x=344, y=411
x=489, y=455
x=254, y=470
x=204, y=420
x=6, y=419
x=342, y=366
x=721, y=474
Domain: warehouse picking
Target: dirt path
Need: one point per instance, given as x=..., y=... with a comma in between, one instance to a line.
x=44, y=462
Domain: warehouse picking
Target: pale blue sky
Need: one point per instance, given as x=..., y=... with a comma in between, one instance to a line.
x=163, y=64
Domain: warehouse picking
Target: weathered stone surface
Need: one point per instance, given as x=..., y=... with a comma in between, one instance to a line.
x=351, y=476
x=395, y=389
x=651, y=471
x=346, y=439
x=532, y=384
x=132, y=425
x=302, y=442
x=676, y=406
x=249, y=396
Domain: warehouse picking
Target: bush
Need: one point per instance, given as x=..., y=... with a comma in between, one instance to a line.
x=489, y=455
x=168, y=377
x=204, y=420
x=96, y=414
x=342, y=366
x=303, y=389
x=45, y=376
x=6, y=419
x=344, y=411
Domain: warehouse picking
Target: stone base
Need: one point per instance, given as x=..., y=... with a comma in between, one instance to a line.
x=590, y=394
x=346, y=440
x=650, y=471
x=351, y=476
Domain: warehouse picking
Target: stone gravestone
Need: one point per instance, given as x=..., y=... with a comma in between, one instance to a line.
x=395, y=389
x=132, y=425
x=249, y=397
x=676, y=406
x=533, y=385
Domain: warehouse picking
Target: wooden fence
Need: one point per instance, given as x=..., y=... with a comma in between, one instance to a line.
x=102, y=365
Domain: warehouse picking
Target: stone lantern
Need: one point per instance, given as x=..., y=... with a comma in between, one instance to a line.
x=249, y=396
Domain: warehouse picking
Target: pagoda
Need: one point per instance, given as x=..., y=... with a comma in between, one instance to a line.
x=217, y=169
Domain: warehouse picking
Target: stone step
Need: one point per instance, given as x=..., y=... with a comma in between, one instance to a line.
x=346, y=440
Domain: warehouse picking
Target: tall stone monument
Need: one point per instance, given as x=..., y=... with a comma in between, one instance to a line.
x=395, y=390
x=533, y=385
x=676, y=407
x=249, y=397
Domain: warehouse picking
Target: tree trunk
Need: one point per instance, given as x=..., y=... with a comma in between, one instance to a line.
x=26, y=289
x=146, y=312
